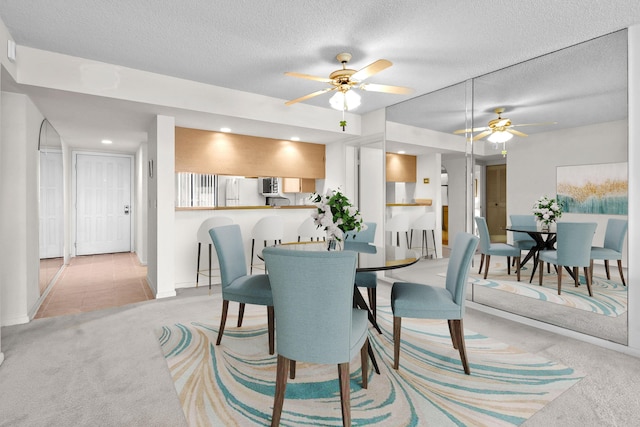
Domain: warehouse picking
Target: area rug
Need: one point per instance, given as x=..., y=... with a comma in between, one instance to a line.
x=609, y=297
x=233, y=384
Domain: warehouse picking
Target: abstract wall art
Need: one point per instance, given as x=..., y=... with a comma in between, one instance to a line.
x=593, y=189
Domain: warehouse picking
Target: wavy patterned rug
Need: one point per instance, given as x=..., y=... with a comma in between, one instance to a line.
x=233, y=384
x=609, y=297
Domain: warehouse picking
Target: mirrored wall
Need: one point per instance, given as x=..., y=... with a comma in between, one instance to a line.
x=570, y=108
x=51, y=204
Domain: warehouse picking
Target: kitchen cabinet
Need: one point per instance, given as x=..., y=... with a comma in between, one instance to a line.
x=401, y=167
x=298, y=185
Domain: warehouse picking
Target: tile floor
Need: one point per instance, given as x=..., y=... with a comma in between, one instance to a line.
x=94, y=282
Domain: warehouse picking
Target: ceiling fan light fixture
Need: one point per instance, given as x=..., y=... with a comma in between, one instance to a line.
x=500, y=136
x=345, y=101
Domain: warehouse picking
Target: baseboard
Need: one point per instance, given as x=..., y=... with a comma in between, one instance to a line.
x=34, y=309
x=166, y=294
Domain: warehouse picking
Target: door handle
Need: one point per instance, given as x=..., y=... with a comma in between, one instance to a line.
x=126, y=209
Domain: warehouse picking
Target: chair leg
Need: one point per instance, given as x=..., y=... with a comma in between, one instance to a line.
x=253, y=245
x=541, y=270
x=198, y=268
x=371, y=293
x=486, y=265
x=586, y=274
x=345, y=393
x=406, y=235
x=620, y=270
x=459, y=331
x=223, y=320
x=559, y=270
x=435, y=246
x=364, y=362
x=271, y=328
x=576, y=277
x=517, y=259
x=606, y=268
x=292, y=369
x=397, y=321
x=411, y=240
x=481, y=263
x=591, y=270
x=281, y=386
x=240, y=314
x=509, y=265
x=452, y=332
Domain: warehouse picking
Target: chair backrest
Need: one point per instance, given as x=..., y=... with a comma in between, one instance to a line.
x=574, y=241
x=399, y=222
x=313, y=303
x=268, y=228
x=426, y=221
x=464, y=247
x=615, y=234
x=483, y=232
x=209, y=223
x=227, y=240
x=309, y=229
x=527, y=220
x=362, y=236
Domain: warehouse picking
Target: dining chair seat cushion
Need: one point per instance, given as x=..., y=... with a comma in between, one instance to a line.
x=604, y=253
x=366, y=279
x=550, y=256
x=524, y=245
x=253, y=289
x=416, y=300
x=503, y=249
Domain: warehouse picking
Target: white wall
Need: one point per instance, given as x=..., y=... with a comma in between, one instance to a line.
x=141, y=206
x=19, y=218
x=532, y=164
x=456, y=169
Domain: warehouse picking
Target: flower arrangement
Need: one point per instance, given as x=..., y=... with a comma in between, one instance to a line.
x=336, y=214
x=547, y=210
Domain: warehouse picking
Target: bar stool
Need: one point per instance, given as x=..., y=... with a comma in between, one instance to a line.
x=205, y=238
x=267, y=229
x=398, y=224
x=308, y=229
x=425, y=222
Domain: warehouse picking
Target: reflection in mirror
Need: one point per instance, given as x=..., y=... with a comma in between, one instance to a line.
x=568, y=109
x=51, y=205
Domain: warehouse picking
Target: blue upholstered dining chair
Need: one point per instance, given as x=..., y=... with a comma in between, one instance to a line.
x=573, y=243
x=416, y=300
x=613, y=244
x=522, y=240
x=304, y=285
x=236, y=284
x=365, y=279
x=499, y=249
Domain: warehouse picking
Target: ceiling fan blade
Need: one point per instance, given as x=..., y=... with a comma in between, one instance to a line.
x=311, y=95
x=482, y=135
x=459, y=131
x=536, y=124
x=516, y=132
x=372, y=87
x=371, y=69
x=308, y=77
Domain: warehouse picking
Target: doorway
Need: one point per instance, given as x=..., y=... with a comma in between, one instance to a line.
x=496, y=198
x=103, y=203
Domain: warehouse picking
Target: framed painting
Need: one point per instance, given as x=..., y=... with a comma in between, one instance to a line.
x=593, y=189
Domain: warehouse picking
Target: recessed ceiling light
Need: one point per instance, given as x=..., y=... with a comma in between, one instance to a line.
x=107, y=141
x=295, y=138
x=225, y=130
x=401, y=152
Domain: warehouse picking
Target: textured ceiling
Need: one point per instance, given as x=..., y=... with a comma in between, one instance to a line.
x=248, y=45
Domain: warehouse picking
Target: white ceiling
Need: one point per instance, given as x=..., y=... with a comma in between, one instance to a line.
x=248, y=46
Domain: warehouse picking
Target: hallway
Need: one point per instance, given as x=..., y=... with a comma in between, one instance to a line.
x=94, y=282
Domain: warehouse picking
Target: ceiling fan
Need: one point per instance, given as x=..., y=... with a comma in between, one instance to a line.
x=500, y=129
x=345, y=79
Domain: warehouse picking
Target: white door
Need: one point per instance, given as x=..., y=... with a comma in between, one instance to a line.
x=51, y=204
x=103, y=204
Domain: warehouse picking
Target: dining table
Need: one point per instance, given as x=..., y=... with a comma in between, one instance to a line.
x=545, y=239
x=370, y=258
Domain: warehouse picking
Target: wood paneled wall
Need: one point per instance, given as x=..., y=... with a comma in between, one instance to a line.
x=401, y=168
x=202, y=151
